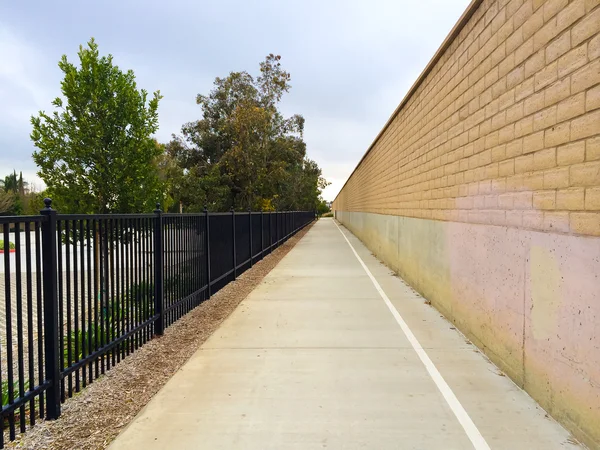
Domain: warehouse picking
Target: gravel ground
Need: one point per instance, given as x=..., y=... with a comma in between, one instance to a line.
x=93, y=418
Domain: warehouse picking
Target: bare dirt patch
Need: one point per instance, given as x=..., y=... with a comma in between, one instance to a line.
x=94, y=417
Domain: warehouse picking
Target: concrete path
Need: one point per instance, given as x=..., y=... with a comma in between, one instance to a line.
x=328, y=353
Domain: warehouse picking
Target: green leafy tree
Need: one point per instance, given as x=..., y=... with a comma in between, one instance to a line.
x=96, y=151
x=7, y=201
x=13, y=193
x=11, y=183
x=243, y=152
x=323, y=207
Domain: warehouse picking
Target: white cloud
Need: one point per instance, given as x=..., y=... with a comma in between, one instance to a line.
x=21, y=79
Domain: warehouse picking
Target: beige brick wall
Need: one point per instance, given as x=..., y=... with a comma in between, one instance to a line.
x=504, y=129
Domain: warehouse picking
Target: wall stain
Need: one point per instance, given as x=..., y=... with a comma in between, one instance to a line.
x=546, y=286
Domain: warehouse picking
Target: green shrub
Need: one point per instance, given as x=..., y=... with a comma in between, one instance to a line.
x=11, y=246
x=142, y=298
x=15, y=390
x=83, y=340
x=138, y=302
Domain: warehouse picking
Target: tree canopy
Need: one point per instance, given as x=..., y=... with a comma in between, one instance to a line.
x=243, y=153
x=17, y=196
x=95, y=152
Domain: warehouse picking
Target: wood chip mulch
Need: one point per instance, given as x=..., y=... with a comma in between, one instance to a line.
x=93, y=418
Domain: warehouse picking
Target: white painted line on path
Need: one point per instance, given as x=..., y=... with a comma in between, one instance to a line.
x=459, y=411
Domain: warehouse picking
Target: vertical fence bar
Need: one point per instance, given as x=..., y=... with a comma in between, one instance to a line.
x=135, y=280
x=148, y=308
x=118, y=300
x=180, y=284
x=20, y=346
x=30, y=348
x=38, y=299
x=85, y=332
x=233, y=237
x=112, y=303
x=67, y=275
x=250, y=226
x=197, y=261
x=91, y=326
x=262, y=235
x=95, y=230
x=271, y=214
x=99, y=294
x=76, y=302
x=61, y=308
x=168, y=271
x=207, y=250
x=176, y=283
x=166, y=265
x=51, y=349
x=8, y=343
x=104, y=316
x=159, y=325
x=150, y=284
x=128, y=281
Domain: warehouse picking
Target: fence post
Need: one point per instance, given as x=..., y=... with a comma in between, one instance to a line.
x=233, y=234
x=159, y=325
x=51, y=348
x=207, y=248
x=262, y=235
x=250, y=225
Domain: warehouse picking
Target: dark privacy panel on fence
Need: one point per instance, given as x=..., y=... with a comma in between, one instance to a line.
x=78, y=293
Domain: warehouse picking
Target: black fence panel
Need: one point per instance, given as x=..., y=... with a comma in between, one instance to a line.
x=79, y=293
x=274, y=233
x=242, y=242
x=266, y=226
x=184, y=254
x=221, y=250
x=105, y=293
x=257, y=236
x=22, y=374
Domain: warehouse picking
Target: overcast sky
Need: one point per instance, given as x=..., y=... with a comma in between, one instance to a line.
x=351, y=61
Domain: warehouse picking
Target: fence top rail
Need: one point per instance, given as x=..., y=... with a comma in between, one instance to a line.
x=21, y=219
x=227, y=213
x=64, y=217
x=174, y=215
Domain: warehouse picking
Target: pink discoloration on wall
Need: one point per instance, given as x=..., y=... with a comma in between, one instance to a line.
x=568, y=357
x=487, y=267
x=533, y=302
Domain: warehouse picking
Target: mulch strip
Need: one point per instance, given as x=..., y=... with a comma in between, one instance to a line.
x=93, y=418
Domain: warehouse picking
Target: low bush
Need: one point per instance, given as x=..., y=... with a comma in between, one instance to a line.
x=15, y=390
x=11, y=246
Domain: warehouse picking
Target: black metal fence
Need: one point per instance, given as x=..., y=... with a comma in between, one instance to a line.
x=78, y=293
